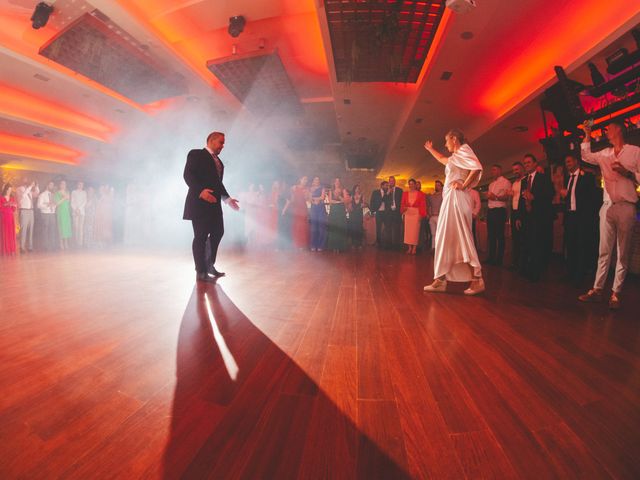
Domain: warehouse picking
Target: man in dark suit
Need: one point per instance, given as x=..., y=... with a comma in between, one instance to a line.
x=423, y=236
x=203, y=174
x=378, y=208
x=394, y=215
x=535, y=212
x=580, y=218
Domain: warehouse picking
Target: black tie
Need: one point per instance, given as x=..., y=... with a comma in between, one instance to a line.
x=524, y=185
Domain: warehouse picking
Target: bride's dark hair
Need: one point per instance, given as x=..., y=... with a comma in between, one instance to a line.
x=457, y=134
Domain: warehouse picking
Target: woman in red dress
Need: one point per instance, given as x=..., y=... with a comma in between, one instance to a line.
x=300, y=214
x=7, y=222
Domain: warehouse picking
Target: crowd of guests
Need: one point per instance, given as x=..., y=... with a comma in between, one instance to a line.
x=332, y=217
x=54, y=218
x=319, y=217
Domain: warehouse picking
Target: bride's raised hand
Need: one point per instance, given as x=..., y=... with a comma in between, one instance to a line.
x=428, y=144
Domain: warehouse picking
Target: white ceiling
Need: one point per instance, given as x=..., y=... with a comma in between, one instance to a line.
x=177, y=31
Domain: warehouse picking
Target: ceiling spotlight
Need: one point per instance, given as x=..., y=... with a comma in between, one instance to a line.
x=40, y=15
x=236, y=25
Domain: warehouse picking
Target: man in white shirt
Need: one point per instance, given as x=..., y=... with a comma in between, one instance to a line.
x=78, y=204
x=620, y=167
x=497, y=196
x=516, y=223
x=25, y=194
x=47, y=209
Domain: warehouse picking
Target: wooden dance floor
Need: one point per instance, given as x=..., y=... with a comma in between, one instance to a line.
x=300, y=365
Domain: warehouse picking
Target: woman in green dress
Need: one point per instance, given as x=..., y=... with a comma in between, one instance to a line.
x=63, y=212
x=337, y=221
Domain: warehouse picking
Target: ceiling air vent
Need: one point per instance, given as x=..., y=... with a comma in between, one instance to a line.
x=446, y=75
x=41, y=77
x=259, y=80
x=99, y=49
x=381, y=41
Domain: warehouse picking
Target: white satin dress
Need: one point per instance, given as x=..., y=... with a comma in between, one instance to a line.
x=455, y=249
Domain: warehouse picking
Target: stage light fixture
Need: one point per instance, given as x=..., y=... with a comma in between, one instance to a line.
x=41, y=15
x=596, y=76
x=236, y=25
x=635, y=33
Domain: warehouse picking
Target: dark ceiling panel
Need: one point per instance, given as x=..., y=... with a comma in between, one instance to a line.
x=99, y=49
x=381, y=40
x=259, y=81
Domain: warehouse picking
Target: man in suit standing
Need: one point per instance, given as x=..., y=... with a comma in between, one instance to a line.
x=580, y=199
x=497, y=196
x=535, y=212
x=516, y=224
x=378, y=208
x=394, y=215
x=423, y=237
x=203, y=174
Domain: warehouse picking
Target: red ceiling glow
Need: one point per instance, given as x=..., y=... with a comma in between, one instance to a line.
x=26, y=107
x=297, y=36
x=571, y=31
x=31, y=148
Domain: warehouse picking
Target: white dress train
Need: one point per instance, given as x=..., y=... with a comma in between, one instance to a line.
x=454, y=247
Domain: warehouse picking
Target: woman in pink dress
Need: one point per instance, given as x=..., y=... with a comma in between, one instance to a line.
x=7, y=222
x=300, y=214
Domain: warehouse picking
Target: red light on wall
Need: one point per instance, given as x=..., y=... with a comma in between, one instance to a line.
x=30, y=148
x=24, y=106
x=571, y=32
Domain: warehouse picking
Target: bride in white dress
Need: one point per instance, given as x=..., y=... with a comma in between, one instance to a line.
x=456, y=258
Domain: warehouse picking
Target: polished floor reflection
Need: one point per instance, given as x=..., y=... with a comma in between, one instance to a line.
x=295, y=365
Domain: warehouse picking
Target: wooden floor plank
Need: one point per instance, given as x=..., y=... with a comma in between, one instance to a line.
x=302, y=365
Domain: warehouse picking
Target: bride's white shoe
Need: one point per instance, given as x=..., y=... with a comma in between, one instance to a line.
x=436, y=286
x=476, y=287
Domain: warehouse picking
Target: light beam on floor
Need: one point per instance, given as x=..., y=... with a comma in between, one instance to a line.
x=227, y=356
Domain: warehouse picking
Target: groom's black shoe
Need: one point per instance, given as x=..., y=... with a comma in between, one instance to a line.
x=205, y=277
x=215, y=273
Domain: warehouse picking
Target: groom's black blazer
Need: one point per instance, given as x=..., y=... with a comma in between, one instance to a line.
x=200, y=173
